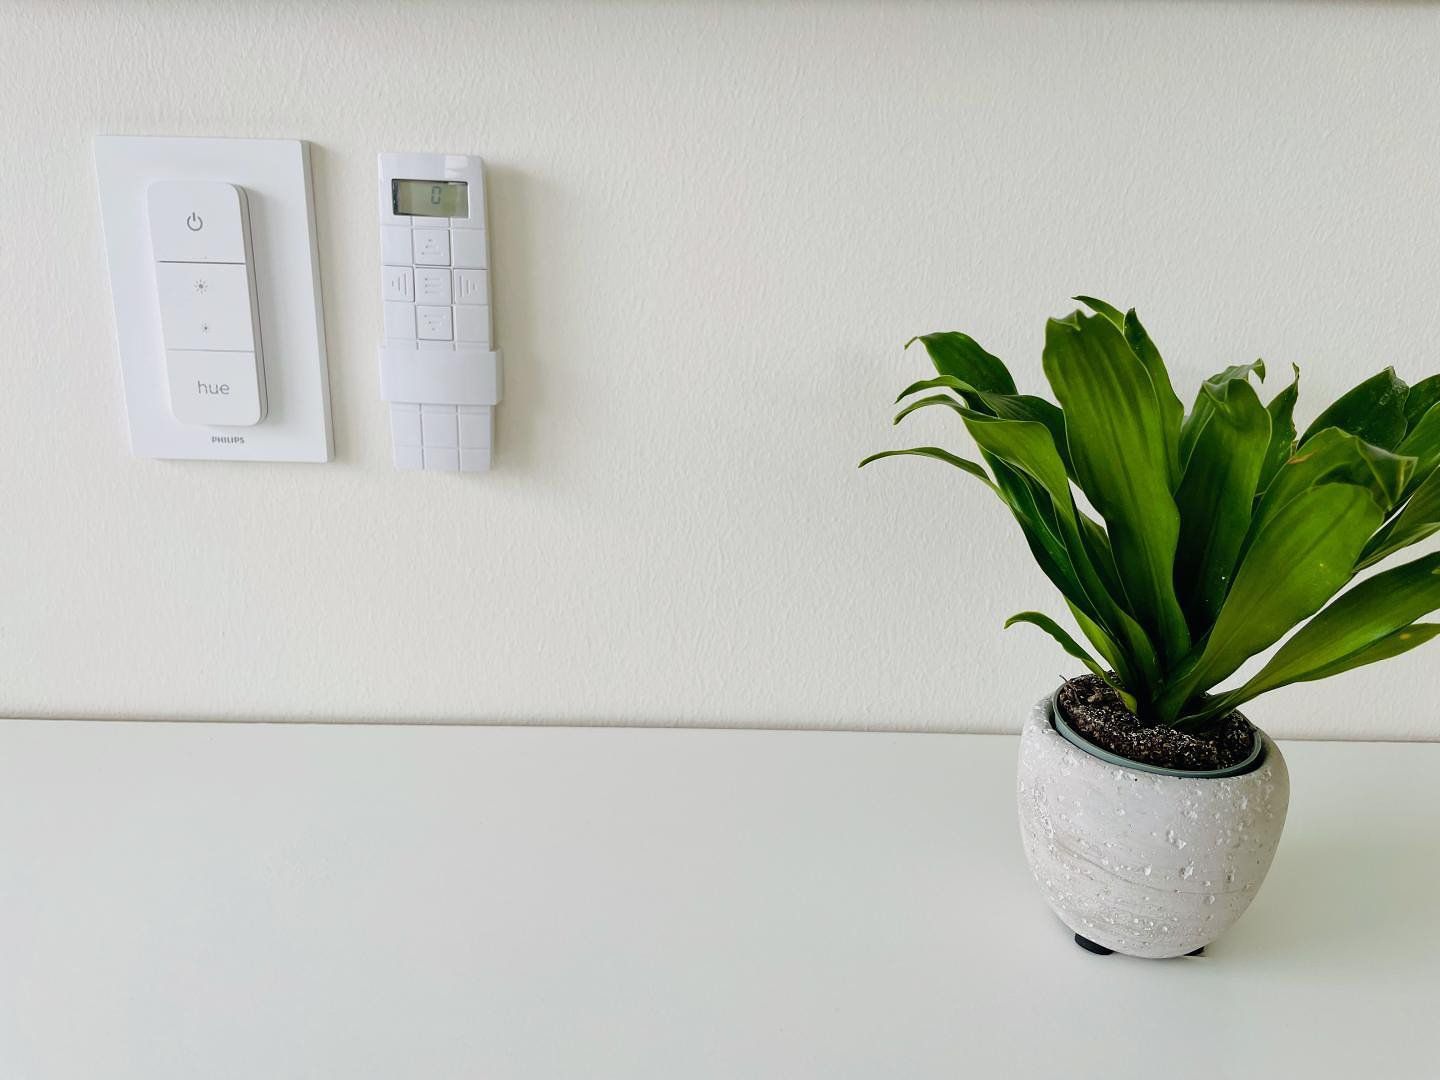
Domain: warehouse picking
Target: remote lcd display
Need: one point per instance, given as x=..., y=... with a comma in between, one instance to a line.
x=431, y=198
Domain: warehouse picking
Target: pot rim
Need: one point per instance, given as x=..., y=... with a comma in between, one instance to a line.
x=1252, y=761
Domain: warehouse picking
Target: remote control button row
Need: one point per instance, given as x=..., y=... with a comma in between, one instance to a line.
x=401, y=245
x=468, y=324
x=434, y=285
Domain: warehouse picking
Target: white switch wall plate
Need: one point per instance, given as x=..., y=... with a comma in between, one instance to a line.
x=439, y=368
x=213, y=270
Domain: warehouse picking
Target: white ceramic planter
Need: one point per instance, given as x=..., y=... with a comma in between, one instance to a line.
x=1143, y=863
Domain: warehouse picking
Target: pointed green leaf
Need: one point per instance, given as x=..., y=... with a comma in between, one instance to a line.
x=1215, y=498
x=925, y=403
x=1172, y=413
x=1037, y=409
x=1009, y=406
x=1048, y=550
x=1204, y=404
x=1031, y=506
x=1104, y=644
x=1417, y=520
x=1100, y=307
x=973, y=468
x=1335, y=455
x=1373, y=411
x=1358, y=628
x=1102, y=557
x=1423, y=444
x=1118, y=445
x=1401, y=641
x=1034, y=511
x=1056, y=631
x=940, y=382
x=1301, y=558
x=1028, y=447
x=1071, y=646
x=1282, y=430
x=1423, y=397
x=961, y=356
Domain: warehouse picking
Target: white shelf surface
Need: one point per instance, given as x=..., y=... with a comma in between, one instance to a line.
x=235, y=900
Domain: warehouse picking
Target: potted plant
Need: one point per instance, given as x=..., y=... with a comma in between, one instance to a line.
x=1149, y=807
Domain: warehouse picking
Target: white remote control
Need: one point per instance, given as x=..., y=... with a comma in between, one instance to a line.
x=439, y=369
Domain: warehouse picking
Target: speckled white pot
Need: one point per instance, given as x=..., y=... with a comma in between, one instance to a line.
x=1142, y=863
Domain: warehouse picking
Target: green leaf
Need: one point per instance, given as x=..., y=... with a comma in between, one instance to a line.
x=1423, y=397
x=1100, y=307
x=1009, y=406
x=1048, y=549
x=1301, y=558
x=962, y=357
x=1102, y=557
x=1367, y=623
x=1282, y=430
x=1401, y=641
x=1071, y=646
x=1104, y=644
x=1417, y=520
x=1172, y=413
x=973, y=468
x=1037, y=409
x=1215, y=498
x=940, y=382
x=1117, y=442
x=1423, y=444
x=1373, y=411
x=1204, y=403
x=1056, y=631
x=1028, y=447
x=925, y=403
x=1030, y=504
x=1033, y=509
x=1335, y=455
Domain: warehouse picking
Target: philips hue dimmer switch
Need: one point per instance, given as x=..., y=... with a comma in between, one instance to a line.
x=200, y=234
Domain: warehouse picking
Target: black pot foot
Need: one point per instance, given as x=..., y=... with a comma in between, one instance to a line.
x=1198, y=952
x=1090, y=946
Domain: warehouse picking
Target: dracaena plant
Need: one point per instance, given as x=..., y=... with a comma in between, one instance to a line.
x=1220, y=531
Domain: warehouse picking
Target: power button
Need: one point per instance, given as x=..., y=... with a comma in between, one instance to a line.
x=196, y=221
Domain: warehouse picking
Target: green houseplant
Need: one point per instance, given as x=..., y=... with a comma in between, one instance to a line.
x=1217, y=531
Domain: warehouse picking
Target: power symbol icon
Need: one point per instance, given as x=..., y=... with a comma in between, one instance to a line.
x=194, y=222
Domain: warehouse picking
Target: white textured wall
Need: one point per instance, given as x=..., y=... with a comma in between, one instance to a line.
x=714, y=225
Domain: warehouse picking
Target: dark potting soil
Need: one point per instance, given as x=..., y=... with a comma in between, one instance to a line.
x=1095, y=711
